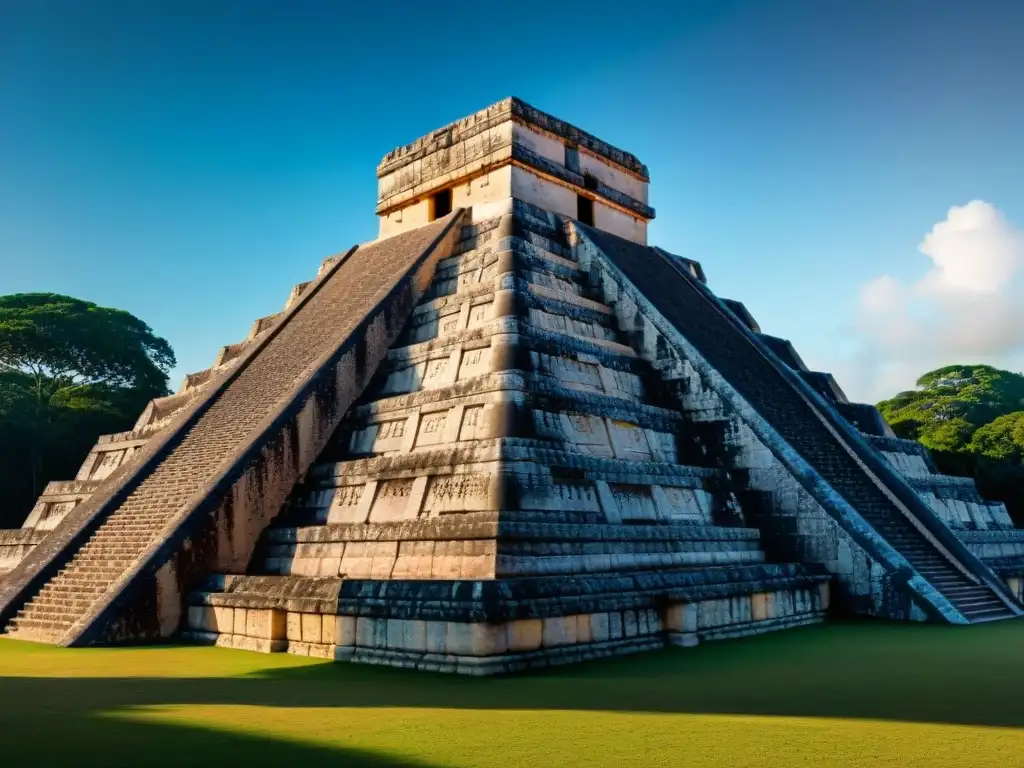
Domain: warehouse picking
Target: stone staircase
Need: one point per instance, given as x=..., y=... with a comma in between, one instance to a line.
x=189, y=503
x=798, y=418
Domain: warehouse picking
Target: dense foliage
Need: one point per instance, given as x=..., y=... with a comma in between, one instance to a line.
x=69, y=371
x=971, y=417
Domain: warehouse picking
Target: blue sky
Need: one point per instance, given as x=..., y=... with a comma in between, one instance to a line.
x=190, y=161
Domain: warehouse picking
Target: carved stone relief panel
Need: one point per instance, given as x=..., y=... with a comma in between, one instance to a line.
x=390, y=435
x=431, y=430
x=448, y=324
x=472, y=423
x=345, y=506
x=628, y=440
x=457, y=493
x=542, y=494
x=475, y=362
x=635, y=503
x=680, y=504
x=392, y=501
x=570, y=371
x=587, y=432
x=480, y=314
x=436, y=373
x=562, y=324
x=109, y=461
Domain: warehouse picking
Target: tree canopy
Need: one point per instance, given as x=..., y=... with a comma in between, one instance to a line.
x=69, y=371
x=1000, y=439
x=971, y=417
x=71, y=341
x=950, y=403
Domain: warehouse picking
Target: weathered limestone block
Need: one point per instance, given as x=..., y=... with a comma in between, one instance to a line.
x=824, y=596
x=437, y=636
x=761, y=606
x=293, y=626
x=344, y=630
x=328, y=626
x=681, y=617
x=475, y=639
x=560, y=630
x=267, y=624
x=371, y=633
x=524, y=635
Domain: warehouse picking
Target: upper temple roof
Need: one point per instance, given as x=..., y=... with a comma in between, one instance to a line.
x=507, y=109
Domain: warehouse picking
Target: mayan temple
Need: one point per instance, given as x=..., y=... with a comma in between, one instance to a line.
x=507, y=433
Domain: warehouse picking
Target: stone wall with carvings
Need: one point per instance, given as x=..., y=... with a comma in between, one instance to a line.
x=514, y=435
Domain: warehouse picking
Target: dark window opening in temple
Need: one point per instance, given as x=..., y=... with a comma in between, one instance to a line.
x=585, y=210
x=589, y=181
x=442, y=204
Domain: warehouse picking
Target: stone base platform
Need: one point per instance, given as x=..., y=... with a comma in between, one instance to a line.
x=498, y=626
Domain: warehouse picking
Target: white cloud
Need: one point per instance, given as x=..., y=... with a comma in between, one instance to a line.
x=968, y=307
x=975, y=251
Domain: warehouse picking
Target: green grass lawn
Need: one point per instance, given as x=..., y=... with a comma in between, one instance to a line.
x=861, y=694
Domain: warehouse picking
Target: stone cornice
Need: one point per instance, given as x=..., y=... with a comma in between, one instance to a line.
x=503, y=111
x=528, y=157
x=516, y=154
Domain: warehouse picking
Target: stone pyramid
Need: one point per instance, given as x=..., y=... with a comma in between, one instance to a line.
x=507, y=433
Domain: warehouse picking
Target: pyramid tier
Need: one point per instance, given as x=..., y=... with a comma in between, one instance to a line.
x=502, y=625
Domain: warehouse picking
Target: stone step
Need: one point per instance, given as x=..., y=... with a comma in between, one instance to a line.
x=938, y=567
x=978, y=605
x=116, y=551
x=126, y=552
x=79, y=587
x=989, y=614
x=123, y=555
x=101, y=562
x=131, y=524
x=120, y=538
x=52, y=611
x=957, y=592
x=90, y=574
x=946, y=582
x=83, y=589
x=973, y=594
x=42, y=602
x=41, y=625
x=131, y=541
x=41, y=632
x=52, y=615
x=32, y=636
x=72, y=595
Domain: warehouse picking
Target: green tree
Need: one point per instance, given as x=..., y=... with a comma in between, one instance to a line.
x=1000, y=439
x=69, y=370
x=971, y=418
x=950, y=403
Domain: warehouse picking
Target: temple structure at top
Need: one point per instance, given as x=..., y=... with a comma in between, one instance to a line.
x=507, y=433
x=507, y=152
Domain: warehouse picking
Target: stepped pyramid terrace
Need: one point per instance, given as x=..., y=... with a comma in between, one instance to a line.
x=507, y=433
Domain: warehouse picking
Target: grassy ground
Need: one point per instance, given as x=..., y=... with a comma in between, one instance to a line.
x=846, y=694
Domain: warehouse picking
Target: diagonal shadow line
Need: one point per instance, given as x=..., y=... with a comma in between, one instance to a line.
x=83, y=738
x=869, y=671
